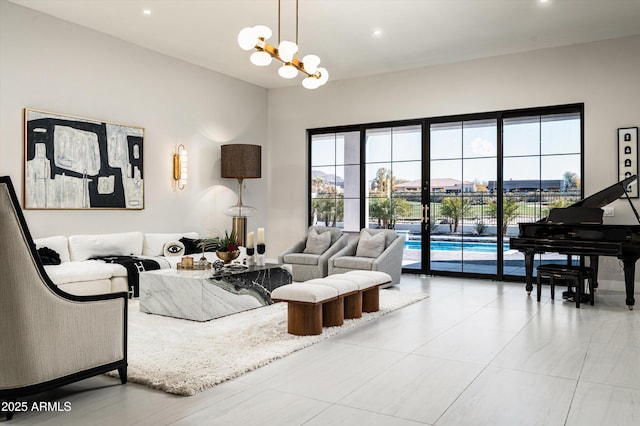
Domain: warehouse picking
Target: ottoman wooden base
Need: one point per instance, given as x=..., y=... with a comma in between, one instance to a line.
x=333, y=313
x=371, y=300
x=353, y=306
x=304, y=319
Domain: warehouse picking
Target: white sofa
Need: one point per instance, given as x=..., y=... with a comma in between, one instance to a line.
x=78, y=275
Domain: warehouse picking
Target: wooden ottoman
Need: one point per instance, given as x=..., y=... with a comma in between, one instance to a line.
x=348, y=305
x=304, y=308
x=369, y=283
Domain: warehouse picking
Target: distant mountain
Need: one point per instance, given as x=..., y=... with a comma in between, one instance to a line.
x=328, y=178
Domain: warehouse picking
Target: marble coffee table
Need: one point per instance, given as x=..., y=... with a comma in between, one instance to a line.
x=205, y=295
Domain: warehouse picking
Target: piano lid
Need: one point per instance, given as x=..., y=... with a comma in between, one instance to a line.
x=607, y=195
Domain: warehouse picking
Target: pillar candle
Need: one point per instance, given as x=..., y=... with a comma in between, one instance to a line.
x=250, y=239
x=260, y=235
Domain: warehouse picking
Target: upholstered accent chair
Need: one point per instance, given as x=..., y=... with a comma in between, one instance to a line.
x=309, y=256
x=373, y=250
x=49, y=338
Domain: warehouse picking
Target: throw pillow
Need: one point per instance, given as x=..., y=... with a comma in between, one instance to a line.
x=173, y=248
x=317, y=243
x=191, y=245
x=370, y=245
x=49, y=256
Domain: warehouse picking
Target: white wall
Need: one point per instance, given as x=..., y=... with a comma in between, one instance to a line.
x=603, y=75
x=52, y=65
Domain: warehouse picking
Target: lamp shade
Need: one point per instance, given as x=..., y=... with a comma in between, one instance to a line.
x=241, y=161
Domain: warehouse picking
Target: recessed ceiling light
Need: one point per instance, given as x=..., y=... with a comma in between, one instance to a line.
x=147, y=11
x=376, y=33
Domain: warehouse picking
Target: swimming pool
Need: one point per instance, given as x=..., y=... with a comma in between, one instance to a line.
x=456, y=246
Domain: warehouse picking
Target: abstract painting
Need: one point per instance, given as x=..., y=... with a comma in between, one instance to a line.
x=79, y=163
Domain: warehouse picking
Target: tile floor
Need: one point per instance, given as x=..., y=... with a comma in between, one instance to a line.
x=475, y=352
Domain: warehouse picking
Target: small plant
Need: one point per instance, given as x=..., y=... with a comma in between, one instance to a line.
x=228, y=242
x=481, y=228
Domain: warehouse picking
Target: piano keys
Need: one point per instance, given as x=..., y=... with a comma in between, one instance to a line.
x=578, y=230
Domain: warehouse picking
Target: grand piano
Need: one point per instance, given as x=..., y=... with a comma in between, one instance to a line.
x=578, y=230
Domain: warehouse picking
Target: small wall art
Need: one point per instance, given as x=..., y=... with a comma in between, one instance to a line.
x=628, y=157
x=79, y=163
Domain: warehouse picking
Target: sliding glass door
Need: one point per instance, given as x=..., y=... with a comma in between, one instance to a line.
x=393, y=186
x=464, y=225
x=542, y=170
x=455, y=187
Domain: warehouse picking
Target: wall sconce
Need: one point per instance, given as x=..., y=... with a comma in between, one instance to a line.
x=180, y=167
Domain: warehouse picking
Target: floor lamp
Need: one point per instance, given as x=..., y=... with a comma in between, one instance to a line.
x=241, y=161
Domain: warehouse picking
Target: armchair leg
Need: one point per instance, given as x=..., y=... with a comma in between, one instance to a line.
x=122, y=372
x=9, y=413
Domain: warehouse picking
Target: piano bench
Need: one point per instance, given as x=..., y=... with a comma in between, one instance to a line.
x=574, y=275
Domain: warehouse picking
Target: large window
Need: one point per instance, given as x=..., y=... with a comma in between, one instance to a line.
x=393, y=185
x=454, y=187
x=542, y=167
x=463, y=160
x=335, y=180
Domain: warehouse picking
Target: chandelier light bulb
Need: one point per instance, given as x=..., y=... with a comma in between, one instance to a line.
x=288, y=71
x=247, y=38
x=286, y=50
x=311, y=83
x=263, y=32
x=324, y=75
x=260, y=58
x=311, y=63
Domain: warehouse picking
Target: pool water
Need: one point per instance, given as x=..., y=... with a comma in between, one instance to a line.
x=456, y=246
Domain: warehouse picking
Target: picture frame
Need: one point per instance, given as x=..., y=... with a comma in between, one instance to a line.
x=628, y=157
x=79, y=163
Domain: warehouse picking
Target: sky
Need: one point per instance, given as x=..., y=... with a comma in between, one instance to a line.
x=534, y=148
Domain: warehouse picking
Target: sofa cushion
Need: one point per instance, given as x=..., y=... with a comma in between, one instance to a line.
x=154, y=243
x=68, y=272
x=351, y=262
x=83, y=247
x=301, y=258
x=370, y=245
x=89, y=288
x=317, y=243
x=58, y=244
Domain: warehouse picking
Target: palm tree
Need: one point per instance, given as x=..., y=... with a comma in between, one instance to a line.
x=387, y=210
x=509, y=211
x=455, y=208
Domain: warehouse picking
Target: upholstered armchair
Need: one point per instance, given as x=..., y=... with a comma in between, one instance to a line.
x=49, y=338
x=309, y=257
x=374, y=250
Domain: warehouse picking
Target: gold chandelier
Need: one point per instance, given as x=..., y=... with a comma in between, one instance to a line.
x=286, y=52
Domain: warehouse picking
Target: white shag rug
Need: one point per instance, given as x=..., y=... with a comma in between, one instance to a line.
x=186, y=357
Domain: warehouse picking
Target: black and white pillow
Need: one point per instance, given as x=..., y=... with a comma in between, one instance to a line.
x=191, y=245
x=173, y=248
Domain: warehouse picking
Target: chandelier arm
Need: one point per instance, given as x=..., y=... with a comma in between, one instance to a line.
x=273, y=51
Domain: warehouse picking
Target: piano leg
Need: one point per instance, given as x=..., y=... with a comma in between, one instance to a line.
x=593, y=263
x=528, y=268
x=629, y=276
